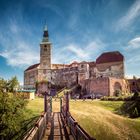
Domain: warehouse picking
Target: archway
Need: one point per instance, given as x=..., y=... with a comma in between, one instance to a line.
x=117, y=89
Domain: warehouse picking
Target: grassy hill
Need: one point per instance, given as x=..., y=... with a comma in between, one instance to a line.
x=98, y=118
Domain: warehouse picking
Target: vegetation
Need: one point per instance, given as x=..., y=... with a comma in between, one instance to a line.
x=15, y=119
x=98, y=118
x=132, y=107
x=9, y=85
x=117, y=98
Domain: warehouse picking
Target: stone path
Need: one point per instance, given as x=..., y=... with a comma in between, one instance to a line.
x=57, y=130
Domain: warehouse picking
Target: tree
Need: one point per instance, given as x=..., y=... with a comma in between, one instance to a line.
x=13, y=84
x=12, y=114
x=3, y=85
x=132, y=107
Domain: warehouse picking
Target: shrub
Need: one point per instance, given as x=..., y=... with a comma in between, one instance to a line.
x=132, y=108
x=12, y=115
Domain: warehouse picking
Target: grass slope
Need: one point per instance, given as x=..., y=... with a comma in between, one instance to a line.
x=99, y=120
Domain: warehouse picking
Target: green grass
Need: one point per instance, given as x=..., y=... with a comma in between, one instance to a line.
x=98, y=118
x=36, y=106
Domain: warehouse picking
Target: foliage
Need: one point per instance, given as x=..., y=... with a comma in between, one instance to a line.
x=12, y=114
x=3, y=85
x=9, y=85
x=119, y=98
x=13, y=84
x=118, y=92
x=132, y=108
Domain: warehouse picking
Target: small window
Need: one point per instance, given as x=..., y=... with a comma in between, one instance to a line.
x=82, y=66
x=45, y=48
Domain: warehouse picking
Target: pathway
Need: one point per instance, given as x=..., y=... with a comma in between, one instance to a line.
x=57, y=130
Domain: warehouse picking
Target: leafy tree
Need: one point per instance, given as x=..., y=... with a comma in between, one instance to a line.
x=3, y=85
x=9, y=85
x=12, y=114
x=13, y=84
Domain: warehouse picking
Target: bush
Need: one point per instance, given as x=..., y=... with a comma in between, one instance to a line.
x=114, y=98
x=118, y=93
x=12, y=115
x=132, y=108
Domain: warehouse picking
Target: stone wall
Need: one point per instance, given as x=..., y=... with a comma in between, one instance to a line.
x=105, y=86
x=111, y=69
x=96, y=86
x=118, y=84
x=30, y=77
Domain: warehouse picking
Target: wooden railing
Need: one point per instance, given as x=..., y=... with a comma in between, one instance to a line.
x=76, y=130
x=38, y=131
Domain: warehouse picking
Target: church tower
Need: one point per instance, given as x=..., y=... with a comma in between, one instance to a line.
x=45, y=51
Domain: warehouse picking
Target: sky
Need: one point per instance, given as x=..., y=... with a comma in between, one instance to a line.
x=78, y=29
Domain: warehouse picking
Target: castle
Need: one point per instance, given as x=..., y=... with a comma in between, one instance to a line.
x=104, y=76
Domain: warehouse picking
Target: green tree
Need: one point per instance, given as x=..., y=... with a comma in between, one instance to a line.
x=3, y=85
x=132, y=107
x=12, y=114
x=13, y=84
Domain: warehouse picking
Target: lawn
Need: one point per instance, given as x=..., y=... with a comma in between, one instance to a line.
x=36, y=106
x=98, y=118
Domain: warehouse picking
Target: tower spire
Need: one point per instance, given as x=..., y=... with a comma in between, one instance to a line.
x=45, y=35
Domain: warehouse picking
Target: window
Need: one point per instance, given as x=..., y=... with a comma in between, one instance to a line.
x=45, y=48
x=82, y=66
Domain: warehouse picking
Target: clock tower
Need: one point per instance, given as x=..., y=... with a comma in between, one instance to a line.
x=45, y=51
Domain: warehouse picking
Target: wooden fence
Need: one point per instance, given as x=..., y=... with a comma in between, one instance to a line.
x=76, y=130
x=38, y=131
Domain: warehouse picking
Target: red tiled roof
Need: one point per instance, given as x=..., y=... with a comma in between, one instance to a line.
x=32, y=66
x=110, y=57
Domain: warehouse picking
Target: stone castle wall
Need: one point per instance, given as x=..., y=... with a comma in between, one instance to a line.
x=105, y=86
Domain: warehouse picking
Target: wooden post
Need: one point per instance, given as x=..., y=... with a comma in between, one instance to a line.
x=45, y=102
x=60, y=104
x=51, y=104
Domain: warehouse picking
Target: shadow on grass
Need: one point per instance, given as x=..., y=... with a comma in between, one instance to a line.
x=25, y=128
x=130, y=107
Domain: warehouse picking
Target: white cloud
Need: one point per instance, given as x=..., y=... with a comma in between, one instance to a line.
x=17, y=51
x=135, y=43
x=79, y=52
x=74, y=52
x=129, y=17
x=21, y=55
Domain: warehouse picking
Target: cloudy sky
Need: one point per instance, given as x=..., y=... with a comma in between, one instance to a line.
x=78, y=29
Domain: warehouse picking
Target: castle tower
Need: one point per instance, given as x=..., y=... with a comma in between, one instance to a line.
x=45, y=51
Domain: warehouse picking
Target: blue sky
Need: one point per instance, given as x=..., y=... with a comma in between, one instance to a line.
x=78, y=29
